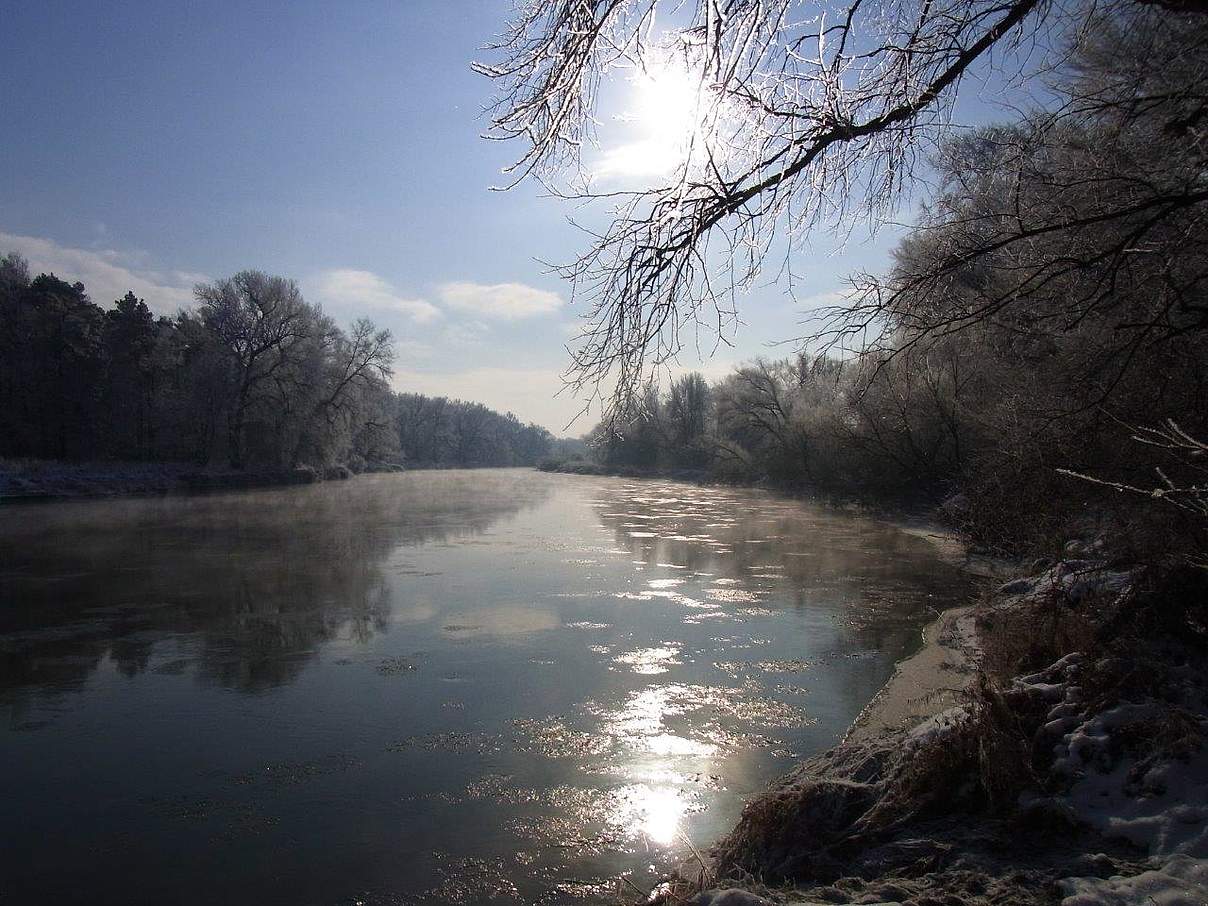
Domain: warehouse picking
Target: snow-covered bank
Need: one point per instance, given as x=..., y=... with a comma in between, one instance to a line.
x=47, y=480
x=933, y=681
x=1083, y=783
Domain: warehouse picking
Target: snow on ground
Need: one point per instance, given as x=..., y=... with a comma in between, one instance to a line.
x=1155, y=803
x=1122, y=745
x=1138, y=771
x=1180, y=881
x=936, y=726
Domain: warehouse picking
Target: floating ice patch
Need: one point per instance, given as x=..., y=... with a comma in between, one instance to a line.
x=650, y=661
x=732, y=595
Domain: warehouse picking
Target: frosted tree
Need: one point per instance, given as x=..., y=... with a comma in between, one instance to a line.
x=802, y=113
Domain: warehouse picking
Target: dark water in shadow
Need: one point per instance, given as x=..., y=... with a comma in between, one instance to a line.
x=441, y=687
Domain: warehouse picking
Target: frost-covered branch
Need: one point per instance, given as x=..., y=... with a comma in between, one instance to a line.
x=808, y=112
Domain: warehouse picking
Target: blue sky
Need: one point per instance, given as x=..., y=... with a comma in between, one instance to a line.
x=150, y=145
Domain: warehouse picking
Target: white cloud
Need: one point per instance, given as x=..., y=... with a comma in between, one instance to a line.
x=359, y=291
x=508, y=301
x=410, y=350
x=645, y=158
x=468, y=334
x=105, y=273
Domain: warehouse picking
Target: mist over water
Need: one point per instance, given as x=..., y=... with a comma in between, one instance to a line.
x=461, y=687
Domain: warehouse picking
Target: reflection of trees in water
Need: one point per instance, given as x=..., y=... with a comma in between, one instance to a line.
x=811, y=555
x=873, y=584
x=248, y=586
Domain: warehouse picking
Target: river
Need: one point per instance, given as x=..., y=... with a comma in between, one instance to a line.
x=437, y=687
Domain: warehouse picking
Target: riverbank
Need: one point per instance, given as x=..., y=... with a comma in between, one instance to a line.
x=585, y=467
x=975, y=777
x=935, y=679
x=33, y=480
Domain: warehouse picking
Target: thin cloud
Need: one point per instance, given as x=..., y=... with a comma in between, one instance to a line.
x=507, y=301
x=353, y=290
x=468, y=335
x=647, y=157
x=105, y=273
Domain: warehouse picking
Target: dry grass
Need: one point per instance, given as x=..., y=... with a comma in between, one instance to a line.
x=1029, y=637
x=905, y=806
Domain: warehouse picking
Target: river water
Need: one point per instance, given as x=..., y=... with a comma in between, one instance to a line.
x=436, y=687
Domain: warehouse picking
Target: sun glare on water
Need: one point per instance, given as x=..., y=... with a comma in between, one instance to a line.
x=652, y=812
x=661, y=812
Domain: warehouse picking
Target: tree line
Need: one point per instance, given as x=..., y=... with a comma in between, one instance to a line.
x=1038, y=350
x=435, y=432
x=253, y=376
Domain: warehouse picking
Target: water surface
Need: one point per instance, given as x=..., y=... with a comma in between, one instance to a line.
x=437, y=687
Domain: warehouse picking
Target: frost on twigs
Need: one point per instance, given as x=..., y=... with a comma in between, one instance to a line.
x=803, y=114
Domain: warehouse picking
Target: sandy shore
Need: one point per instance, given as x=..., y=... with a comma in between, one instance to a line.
x=927, y=683
x=935, y=678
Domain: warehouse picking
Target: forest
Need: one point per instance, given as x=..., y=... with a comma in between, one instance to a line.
x=1038, y=349
x=253, y=377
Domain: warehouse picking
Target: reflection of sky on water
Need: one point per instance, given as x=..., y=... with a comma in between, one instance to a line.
x=443, y=687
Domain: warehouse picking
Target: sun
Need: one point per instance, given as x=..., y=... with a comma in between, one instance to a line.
x=665, y=117
x=668, y=102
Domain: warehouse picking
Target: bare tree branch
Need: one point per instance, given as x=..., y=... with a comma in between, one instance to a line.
x=803, y=115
